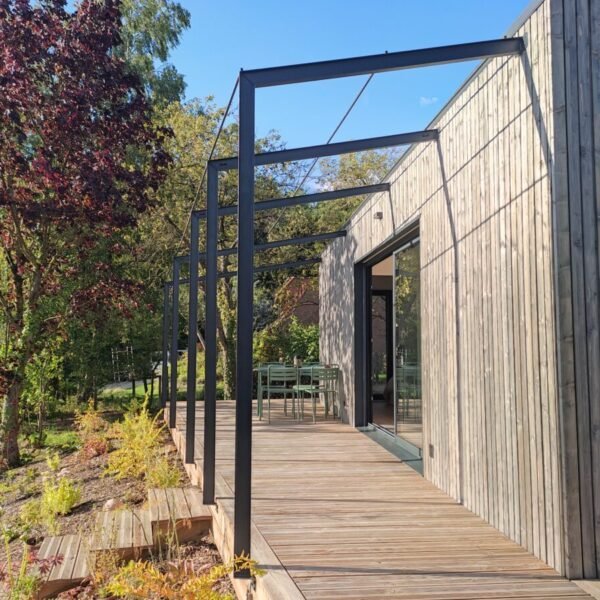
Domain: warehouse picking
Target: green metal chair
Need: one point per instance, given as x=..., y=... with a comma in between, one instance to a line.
x=261, y=373
x=323, y=383
x=280, y=380
x=408, y=389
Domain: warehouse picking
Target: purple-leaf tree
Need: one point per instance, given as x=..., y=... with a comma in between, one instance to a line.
x=79, y=161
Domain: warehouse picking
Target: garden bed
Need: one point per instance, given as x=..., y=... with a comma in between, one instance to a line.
x=98, y=490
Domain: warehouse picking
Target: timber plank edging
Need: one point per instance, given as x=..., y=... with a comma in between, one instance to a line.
x=276, y=583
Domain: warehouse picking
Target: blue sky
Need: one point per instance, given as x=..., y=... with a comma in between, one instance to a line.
x=228, y=35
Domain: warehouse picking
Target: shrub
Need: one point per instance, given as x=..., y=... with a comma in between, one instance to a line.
x=53, y=462
x=183, y=580
x=30, y=516
x=161, y=474
x=92, y=430
x=137, y=437
x=59, y=496
x=286, y=340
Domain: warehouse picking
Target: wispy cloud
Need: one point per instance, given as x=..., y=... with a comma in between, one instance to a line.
x=428, y=100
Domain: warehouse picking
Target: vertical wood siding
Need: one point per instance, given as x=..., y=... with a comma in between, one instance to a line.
x=576, y=89
x=490, y=399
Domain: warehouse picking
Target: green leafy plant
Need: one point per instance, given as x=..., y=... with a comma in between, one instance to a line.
x=92, y=430
x=58, y=498
x=161, y=474
x=287, y=340
x=53, y=462
x=30, y=517
x=138, y=440
x=181, y=581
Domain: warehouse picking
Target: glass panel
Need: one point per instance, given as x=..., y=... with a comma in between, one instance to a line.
x=382, y=405
x=407, y=346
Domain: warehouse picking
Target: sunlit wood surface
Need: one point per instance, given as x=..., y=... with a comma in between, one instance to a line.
x=349, y=520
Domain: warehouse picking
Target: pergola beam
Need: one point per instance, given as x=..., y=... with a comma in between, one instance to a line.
x=380, y=63
x=288, y=201
x=296, y=264
x=322, y=150
x=309, y=239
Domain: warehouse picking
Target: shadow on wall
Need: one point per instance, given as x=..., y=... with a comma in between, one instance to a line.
x=336, y=316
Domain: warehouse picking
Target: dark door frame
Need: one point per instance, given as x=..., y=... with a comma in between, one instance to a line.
x=363, y=307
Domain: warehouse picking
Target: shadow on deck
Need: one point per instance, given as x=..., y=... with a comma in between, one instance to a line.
x=335, y=515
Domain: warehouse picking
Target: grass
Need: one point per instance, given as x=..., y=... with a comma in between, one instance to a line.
x=62, y=440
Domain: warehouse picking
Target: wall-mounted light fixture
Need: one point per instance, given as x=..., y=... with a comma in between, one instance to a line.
x=378, y=215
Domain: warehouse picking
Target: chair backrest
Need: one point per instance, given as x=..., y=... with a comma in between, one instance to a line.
x=319, y=374
x=277, y=373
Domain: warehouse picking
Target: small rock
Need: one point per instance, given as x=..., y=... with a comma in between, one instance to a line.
x=63, y=472
x=112, y=504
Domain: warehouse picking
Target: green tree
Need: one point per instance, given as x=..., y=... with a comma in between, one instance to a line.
x=150, y=30
x=78, y=158
x=362, y=168
x=194, y=126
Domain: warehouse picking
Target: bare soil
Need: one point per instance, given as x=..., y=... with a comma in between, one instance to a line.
x=24, y=483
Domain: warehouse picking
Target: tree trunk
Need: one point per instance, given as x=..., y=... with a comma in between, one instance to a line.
x=41, y=421
x=228, y=362
x=10, y=423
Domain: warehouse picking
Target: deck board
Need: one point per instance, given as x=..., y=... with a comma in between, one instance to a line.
x=349, y=520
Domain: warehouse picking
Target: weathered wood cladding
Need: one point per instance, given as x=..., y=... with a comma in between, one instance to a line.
x=487, y=308
x=576, y=89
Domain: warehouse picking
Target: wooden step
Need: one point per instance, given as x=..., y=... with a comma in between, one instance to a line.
x=180, y=510
x=127, y=532
x=72, y=568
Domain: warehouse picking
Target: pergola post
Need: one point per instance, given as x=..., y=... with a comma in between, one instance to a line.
x=210, y=336
x=174, y=353
x=190, y=409
x=245, y=321
x=164, y=388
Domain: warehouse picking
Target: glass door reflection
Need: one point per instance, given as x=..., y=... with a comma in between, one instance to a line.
x=408, y=414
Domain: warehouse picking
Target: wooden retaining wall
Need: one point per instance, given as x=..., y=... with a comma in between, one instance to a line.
x=483, y=201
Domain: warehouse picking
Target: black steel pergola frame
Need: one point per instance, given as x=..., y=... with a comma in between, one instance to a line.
x=246, y=162
x=173, y=311
x=249, y=81
x=168, y=307
x=211, y=214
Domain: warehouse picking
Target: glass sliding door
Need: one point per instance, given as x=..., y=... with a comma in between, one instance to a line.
x=408, y=415
x=382, y=410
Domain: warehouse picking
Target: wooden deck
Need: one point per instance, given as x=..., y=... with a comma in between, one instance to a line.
x=337, y=516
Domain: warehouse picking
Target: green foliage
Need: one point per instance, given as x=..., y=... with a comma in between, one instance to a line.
x=30, y=517
x=59, y=496
x=92, y=430
x=182, y=581
x=139, y=454
x=53, y=462
x=161, y=474
x=22, y=581
x=63, y=441
x=151, y=29
x=137, y=437
x=39, y=393
x=287, y=340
